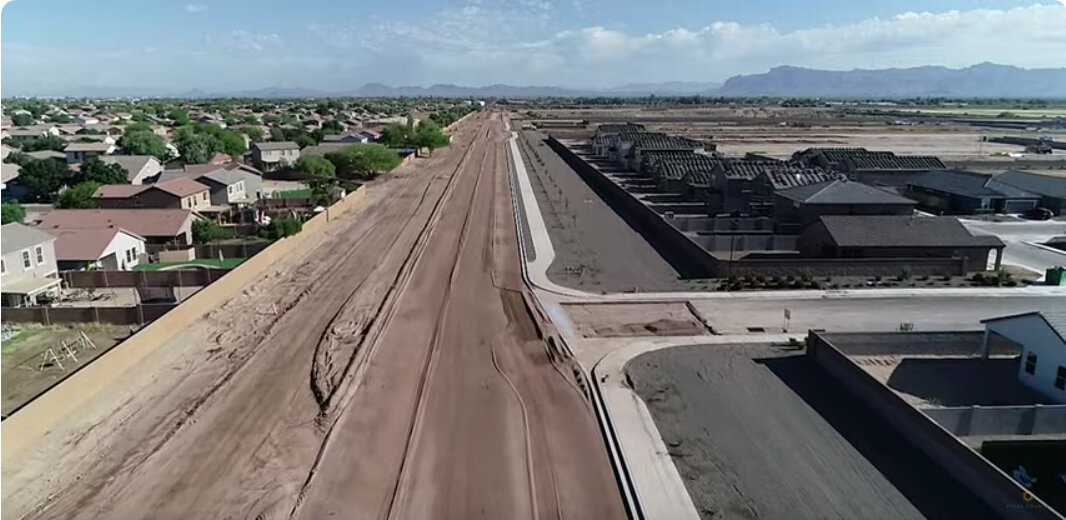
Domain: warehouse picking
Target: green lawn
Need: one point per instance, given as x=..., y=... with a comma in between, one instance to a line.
x=199, y=262
x=293, y=194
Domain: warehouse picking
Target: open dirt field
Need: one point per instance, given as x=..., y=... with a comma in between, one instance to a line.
x=635, y=319
x=596, y=250
x=404, y=378
x=762, y=432
x=23, y=374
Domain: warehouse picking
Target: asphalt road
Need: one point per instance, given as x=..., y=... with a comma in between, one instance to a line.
x=1019, y=237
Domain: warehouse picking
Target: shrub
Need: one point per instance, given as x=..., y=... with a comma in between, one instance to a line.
x=281, y=227
x=204, y=231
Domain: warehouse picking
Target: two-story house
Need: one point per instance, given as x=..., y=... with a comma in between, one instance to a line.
x=178, y=193
x=274, y=155
x=78, y=153
x=140, y=169
x=28, y=268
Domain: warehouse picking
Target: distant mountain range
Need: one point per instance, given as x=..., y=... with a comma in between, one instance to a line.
x=981, y=80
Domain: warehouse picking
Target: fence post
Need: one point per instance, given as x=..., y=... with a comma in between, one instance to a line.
x=106, y=283
x=47, y=319
x=140, y=314
x=179, y=277
x=96, y=312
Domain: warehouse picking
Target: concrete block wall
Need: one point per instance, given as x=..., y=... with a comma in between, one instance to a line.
x=1000, y=420
x=996, y=488
x=39, y=416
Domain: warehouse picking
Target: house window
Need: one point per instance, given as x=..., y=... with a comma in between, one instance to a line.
x=1060, y=378
x=40, y=254
x=3, y=267
x=229, y=189
x=26, y=260
x=1030, y=363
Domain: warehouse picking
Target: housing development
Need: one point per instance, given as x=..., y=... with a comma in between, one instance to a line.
x=653, y=301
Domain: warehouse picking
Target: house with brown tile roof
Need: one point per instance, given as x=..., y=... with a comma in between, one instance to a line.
x=176, y=193
x=156, y=226
x=114, y=249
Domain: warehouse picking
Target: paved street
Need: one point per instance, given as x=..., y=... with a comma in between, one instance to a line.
x=1020, y=237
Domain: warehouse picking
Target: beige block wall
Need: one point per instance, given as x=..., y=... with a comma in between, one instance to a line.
x=23, y=428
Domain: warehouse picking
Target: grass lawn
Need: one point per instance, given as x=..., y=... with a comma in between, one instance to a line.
x=293, y=194
x=199, y=262
x=23, y=333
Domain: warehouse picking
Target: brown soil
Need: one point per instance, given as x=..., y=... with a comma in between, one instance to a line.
x=635, y=319
x=398, y=381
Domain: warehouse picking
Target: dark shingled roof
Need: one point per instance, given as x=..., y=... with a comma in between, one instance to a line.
x=615, y=128
x=902, y=231
x=843, y=191
x=863, y=159
x=1045, y=185
x=969, y=184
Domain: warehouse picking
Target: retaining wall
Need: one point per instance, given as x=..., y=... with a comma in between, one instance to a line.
x=996, y=488
x=34, y=420
x=1000, y=420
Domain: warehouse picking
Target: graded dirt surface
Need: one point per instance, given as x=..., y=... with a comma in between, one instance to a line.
x=403, y=378
x=762, y=432
x=596, y=250
x=634, y=319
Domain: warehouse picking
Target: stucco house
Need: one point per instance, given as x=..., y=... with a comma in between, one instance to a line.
x=113, y=249
x=78, y=153
x=28, y=268
x=141, y=169
x=273, y=155
x=179, y=193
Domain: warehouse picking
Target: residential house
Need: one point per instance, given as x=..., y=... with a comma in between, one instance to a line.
x=346, y=138
x=140, y=169
x=273, y=155
x=251, y=177
x=45, y=130
x=28, y=268
x=799, y=207
x=227, y=187
x=321, y=150
x=1052, y=190
x=876, y=168
x=899, y=236
x=180, y=193
x=41, y=155
x=601, y=140
x=113, y=249
x=85, y=120
x=966, y=193
x=78, y=153
x=371, y=134
x=156, y=226
x=1041, y=336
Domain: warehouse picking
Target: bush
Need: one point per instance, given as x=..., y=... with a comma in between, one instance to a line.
x=13, y=212
x=281, y=227
x=204, y=231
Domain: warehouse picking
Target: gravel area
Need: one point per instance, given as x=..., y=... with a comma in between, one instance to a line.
x=763, y=432
x=596, y=250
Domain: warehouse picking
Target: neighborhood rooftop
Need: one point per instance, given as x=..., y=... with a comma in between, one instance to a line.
x=19, y=236
x=901, y=231
x=144, y=222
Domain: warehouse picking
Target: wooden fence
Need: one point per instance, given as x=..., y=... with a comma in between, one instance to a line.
x=173, y=278
x=133, y=315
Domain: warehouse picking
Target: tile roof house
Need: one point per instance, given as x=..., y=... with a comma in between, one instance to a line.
x=178, y=193
x=966, y=193
x=273, y=155
x=113, y=249
x=139, y=168
x=803, y=205
x=78, y=153
x=28, y=267
x=156, y=226
x=1052, y=190
x=251, y=179
x=895, y=236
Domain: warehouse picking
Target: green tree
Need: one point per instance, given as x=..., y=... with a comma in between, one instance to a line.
x=277, y=134
x=33, y=144
x=396, y=136
x=95, y=170
x=251, y=120
x=144, y=143
x=80, y=196
x=363, y=161
x=316, y=166
x=44, y=178
x=22, y=119
x=139, y=126
x=59, y=118
x=231, y=143
x=179, y=116
x=254, y=133
x=13, y=212
x=206, y=230
x=429, y=135
x=281, y=227
x=332, y=127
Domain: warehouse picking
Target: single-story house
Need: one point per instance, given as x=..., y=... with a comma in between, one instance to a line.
x=113, y=249
x=140, y=168
x=179, y=193
x=156, y=226
x=41, y=155
x=85, y=120
x=803, y=205
x=1041, y=335
x=347, y=138
x=273, y=155
x=1052, y=190
x=896, y=236
x=28, y=267
x=321, y=150
x=78, y=153
x=965, y=193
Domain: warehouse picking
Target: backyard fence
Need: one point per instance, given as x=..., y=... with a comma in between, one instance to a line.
x=171, y=278
x=133, y=315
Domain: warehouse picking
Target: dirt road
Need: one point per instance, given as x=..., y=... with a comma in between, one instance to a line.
x=403, y=378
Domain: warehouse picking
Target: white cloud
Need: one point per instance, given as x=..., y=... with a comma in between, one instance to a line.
x=195, y=8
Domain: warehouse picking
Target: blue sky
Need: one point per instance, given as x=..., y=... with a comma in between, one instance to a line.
x=158, y=46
